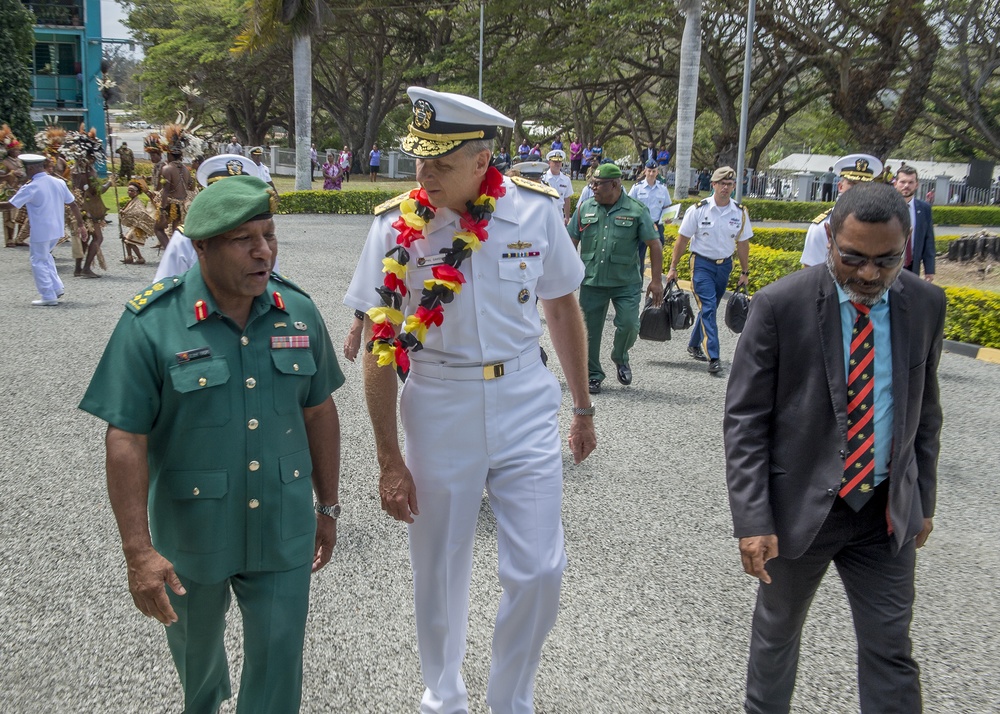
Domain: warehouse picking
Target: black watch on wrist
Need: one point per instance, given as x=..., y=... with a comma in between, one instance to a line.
x=331, y=511
x=359, y=314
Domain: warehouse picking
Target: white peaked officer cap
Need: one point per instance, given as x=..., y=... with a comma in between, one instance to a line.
x=442, y=122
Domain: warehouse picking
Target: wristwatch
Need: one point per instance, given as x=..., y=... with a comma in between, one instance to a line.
x=584, y=411
x=331, y=511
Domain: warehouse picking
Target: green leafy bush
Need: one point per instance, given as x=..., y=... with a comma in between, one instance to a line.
x=766, y=265
x=973, y=316
x=966, y=215
x=355, y=202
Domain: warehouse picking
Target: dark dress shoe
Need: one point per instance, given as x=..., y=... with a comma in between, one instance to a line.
x=624, y=374
x=595, y=386
x=714, y=366
x=697, y=353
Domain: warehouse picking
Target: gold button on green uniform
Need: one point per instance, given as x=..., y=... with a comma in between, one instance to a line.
x=254, y=465
x=253, y=424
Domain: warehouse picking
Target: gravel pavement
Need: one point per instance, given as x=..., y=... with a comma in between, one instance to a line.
x=655, y=608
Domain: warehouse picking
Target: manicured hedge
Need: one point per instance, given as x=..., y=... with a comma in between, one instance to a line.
x=766, y=264
x=973, y=316
x=354, y=202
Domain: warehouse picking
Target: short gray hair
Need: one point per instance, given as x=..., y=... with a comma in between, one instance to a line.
x=476, y=145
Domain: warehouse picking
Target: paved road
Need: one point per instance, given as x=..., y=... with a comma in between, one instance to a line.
x=656, y=611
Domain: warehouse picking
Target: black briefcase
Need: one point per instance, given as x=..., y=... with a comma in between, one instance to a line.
x=654, y=322
x=679, y=307
x=738, y=309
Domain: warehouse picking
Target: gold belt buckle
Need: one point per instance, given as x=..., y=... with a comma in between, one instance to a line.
x=720, y=261
x=492, y=371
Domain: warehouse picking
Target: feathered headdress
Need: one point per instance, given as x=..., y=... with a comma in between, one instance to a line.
x=7, y=141
x=51, y=138
x=181, y=138
x=139, y=183
x=83, y=146
x=153, y=143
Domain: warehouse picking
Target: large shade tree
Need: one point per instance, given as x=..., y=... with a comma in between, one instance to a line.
x=18, y=37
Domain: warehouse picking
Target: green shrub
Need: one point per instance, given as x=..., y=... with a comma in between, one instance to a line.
x=355, y=202
x=973, y=316
x=766, y=265
x=966, y=215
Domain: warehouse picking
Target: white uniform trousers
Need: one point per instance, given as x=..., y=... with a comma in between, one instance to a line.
x=43, y=268
x=462, y=436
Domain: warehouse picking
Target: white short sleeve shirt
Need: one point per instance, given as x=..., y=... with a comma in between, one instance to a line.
x=715, y=230
x=45, y=195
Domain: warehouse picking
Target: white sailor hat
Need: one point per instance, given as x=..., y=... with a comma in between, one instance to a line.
x=442, y=122
x=858, y=167
x=259, y=150
x=31, y=158
x=531, y=169
x=556, y=155
x=224, y=165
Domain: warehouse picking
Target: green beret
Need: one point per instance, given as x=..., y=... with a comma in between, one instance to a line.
x=228, y=204
x=608, y=171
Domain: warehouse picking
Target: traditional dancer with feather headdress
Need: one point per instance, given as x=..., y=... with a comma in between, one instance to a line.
x=12, y=175
x=136, y=218
x=85, y=152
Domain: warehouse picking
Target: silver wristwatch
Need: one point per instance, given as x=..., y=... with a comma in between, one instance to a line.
x=584, y=411
x=331, y=511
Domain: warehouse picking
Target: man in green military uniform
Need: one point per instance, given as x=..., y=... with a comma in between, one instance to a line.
x=609, y=229
x=216, y=389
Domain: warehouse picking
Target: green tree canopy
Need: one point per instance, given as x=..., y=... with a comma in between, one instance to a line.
x=17, y=37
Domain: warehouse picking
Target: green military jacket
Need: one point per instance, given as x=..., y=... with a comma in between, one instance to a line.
x=609, y=238
x=230, y=486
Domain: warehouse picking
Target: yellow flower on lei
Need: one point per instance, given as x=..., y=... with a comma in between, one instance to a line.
x=391, y=265
x=385, y=353
x=379, y=315
x=408, y=213
x=454, y=286
x=416, y=327
x=470, y=239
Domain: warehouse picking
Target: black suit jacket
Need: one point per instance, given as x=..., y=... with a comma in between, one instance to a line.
x=923, y=238
x=786, y=409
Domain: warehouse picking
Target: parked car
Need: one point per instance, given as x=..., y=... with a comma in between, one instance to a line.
x=140, y=124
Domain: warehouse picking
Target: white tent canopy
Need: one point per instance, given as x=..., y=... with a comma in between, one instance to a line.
x=819, y=163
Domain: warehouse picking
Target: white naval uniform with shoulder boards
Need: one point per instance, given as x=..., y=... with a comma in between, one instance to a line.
x=815, y=248
x=465, y=432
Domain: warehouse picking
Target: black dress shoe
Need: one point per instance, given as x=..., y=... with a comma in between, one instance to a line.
x=624, y=374
x=595, y=386
x=714, y=366
x=697, y=353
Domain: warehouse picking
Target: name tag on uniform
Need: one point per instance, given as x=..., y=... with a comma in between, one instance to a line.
x=430, y=260
x=284, y=342
x=624, y=220
x=192, y=355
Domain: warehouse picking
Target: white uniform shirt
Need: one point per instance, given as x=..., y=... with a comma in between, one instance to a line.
x=714, y=230
x=494, y=318
x=44, y=195
x=655, y=197
x=815, y=249
x=586, y=193
x=264, y=173
x=560, y=182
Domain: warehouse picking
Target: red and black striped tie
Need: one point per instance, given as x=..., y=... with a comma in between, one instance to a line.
x=858, y=482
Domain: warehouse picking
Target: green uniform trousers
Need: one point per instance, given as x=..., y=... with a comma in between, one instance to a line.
x=594, y=304
x=274, y=608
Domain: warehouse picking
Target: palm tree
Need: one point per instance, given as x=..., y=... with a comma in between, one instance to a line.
x=304, y=18
x=687, y=92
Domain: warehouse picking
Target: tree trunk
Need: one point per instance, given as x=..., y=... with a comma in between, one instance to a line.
x=302, y=73
x=687, y=93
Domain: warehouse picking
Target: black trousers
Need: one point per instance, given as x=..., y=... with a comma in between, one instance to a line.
x=827, y=194
x=880, y=590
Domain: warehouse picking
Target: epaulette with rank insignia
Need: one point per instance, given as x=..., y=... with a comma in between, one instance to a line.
x=702, y=202
x=154, y=291
x=390, y=204
x=534, y=186
x=286, y=281
x=822, y=217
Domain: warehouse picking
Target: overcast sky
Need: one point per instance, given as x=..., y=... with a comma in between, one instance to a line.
x=111, y=17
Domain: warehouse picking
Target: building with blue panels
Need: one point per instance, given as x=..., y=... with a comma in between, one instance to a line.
x=67, y=64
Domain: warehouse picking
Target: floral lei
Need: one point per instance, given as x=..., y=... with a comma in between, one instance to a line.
x=417, y=211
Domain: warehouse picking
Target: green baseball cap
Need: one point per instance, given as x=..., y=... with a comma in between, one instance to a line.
x=228, y=204
x=608, y=171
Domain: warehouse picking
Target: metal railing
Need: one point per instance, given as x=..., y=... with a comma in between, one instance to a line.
x=66, y=13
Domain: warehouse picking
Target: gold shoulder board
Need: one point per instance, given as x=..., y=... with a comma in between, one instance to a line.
x=158, y=289
x=822, y=217
x=390, y=204
x=534, y=186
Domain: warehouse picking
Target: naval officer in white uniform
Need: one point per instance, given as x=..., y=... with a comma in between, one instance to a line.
x=479, y=409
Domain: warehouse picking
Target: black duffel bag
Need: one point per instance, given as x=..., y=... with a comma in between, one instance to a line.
x=654, y=322
x=738, y=309
x=679, y=307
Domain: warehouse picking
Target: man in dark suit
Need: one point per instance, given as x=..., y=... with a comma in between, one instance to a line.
x=921, y=247
x=831, y=429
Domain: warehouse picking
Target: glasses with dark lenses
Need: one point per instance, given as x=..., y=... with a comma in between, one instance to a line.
x=853, y=260
x=596, y=184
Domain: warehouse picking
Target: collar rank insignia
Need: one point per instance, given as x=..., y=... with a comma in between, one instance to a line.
x=520, y=245
x=278, y=302
x=200, y=311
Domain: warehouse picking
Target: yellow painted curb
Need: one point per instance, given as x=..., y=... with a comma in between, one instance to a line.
x=989, y=354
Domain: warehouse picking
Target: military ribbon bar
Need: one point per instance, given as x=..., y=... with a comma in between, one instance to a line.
x=283, y=342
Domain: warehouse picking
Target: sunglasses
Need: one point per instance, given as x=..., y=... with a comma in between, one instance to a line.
x=595, y=184
x=853, y=260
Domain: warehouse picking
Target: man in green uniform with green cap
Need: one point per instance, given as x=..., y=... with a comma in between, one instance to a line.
x=609, y=229
x=216, y=389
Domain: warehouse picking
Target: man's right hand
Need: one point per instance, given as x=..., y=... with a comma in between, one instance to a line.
x=399, y=493
x=672, y=275
x=755, y=551
x=147, y=574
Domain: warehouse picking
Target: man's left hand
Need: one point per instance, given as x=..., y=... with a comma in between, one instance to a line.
x=929, y=277
x=326, y=539
x=582, y=436
x=744, y=280
x=924, y=532
x=656, y=290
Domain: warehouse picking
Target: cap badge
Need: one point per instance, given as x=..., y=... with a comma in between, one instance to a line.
x=423, y=114
x=861, y=165
x=234, y=167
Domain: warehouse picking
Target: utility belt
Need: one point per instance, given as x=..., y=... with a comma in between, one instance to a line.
x=468, y=373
